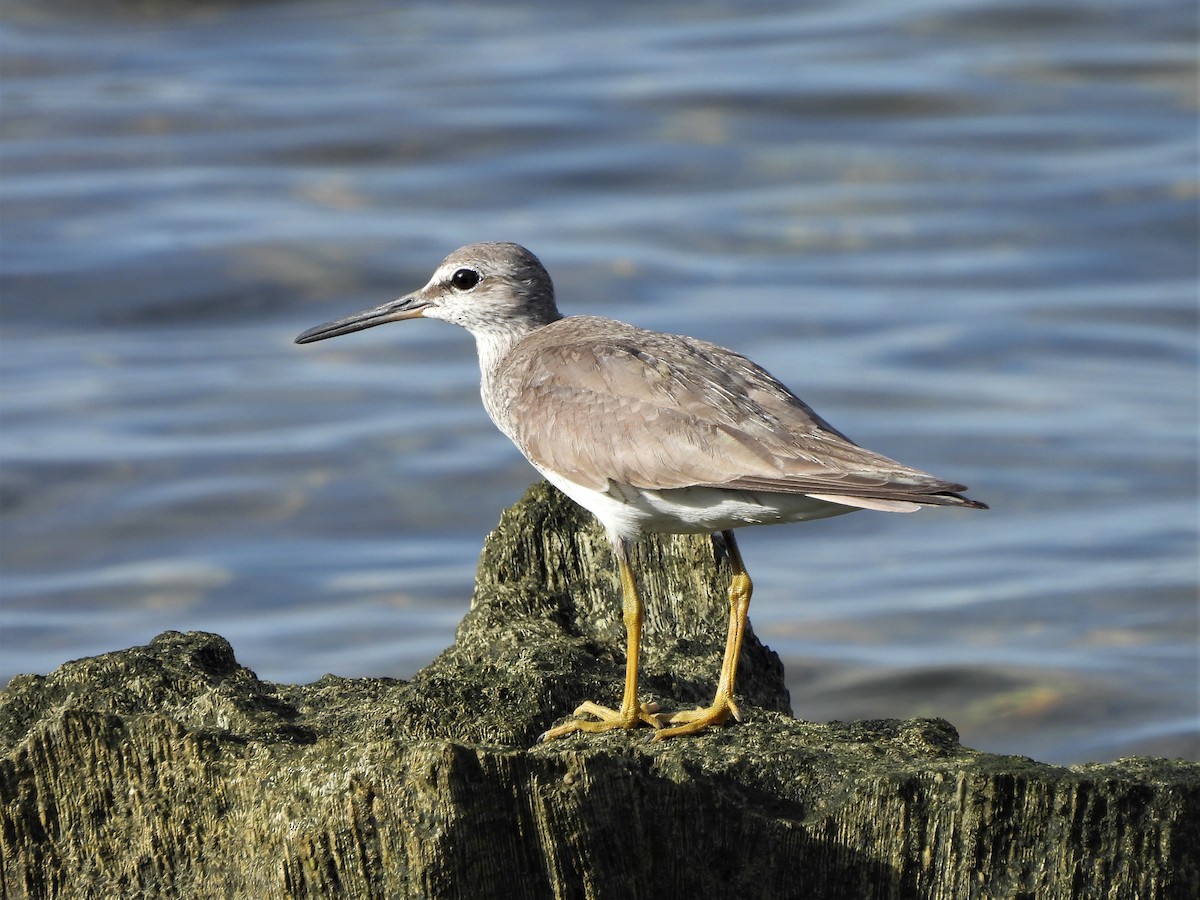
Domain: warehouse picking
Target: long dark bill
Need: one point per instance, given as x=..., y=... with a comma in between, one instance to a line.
x=409, y=307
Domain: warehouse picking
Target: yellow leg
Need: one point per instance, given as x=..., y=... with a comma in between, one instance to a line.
x=694, y=720
x=631, y=712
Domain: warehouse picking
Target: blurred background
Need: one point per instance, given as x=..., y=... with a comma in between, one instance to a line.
x=963, y=230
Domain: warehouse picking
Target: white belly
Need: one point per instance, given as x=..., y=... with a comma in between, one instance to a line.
x=628, y=512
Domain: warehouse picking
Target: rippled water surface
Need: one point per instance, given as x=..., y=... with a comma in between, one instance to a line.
x=964, y=231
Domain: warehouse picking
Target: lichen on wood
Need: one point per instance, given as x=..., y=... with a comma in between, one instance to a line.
x=169, y=770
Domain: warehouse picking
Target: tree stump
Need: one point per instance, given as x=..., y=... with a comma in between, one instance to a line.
x=171, y=771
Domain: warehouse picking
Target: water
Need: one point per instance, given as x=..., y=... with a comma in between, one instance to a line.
x=964, y=231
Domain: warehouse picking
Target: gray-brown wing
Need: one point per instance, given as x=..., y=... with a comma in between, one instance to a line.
x=595, y=400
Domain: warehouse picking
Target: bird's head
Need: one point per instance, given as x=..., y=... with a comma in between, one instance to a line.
x=492, y=288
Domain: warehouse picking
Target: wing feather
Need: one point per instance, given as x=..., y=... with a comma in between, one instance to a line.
x=598, y=401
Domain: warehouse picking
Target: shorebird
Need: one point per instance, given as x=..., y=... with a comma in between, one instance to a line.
x=652, y=433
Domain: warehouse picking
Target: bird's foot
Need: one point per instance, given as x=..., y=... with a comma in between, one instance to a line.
x=693, y=721
x=606, y=719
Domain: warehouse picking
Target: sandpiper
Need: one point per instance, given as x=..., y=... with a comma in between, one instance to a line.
x=653, y=433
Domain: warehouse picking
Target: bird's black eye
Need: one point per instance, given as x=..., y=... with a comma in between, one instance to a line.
x=464, y=279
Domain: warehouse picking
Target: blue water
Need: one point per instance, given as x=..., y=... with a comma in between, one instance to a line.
x=964, y=231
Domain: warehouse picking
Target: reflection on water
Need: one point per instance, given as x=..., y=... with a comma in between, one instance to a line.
x=964, y=231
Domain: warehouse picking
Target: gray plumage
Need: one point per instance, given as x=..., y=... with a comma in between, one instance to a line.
x=651, y=432
x=597, y=401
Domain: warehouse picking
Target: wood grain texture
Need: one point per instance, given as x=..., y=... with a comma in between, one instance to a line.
x=171, y=771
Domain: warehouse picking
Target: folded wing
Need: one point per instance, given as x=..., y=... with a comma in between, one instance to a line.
x=665, y=411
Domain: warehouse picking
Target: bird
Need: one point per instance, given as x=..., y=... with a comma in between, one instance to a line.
x=653, y=433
